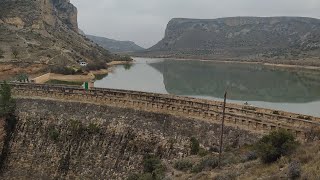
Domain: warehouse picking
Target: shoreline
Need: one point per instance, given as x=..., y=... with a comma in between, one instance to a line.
x=239, y=62
x=80, y=77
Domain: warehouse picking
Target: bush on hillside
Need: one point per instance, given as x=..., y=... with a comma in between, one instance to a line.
x=194, y=145
x=96, y=66
x=183, y=165
x=152, y=169
x=278, y=143
x=62, y=70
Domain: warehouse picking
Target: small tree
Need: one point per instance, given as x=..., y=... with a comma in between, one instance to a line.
x=7, y=104
x=194, y=145
x=15, y=52
x=278, y=143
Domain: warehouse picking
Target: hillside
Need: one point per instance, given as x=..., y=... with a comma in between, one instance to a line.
x=44, y=31
x=248, y=38
x=114, y=45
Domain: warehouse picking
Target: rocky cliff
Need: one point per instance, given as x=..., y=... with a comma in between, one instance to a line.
x=44, y=31
x=114, y=45
x=241, y=38
x=64, y=140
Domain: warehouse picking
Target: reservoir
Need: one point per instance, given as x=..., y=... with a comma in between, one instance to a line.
x=288, y=89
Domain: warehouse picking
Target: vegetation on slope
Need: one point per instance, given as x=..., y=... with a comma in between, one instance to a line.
x=7, y=108
x=276, y=156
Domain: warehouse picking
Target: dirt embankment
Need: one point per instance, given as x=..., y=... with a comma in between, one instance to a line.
x=10, y=70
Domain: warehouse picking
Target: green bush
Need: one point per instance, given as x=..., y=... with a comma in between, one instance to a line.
x=183, y=165
x=96, y=66
x=202, y=152
x=152, y=165
x=53, y=133
x=93, y=128
x=194, y=145
x=278, y=143
x=206, y=163
x=62, y=70
x=7, y=103
x=76, y=127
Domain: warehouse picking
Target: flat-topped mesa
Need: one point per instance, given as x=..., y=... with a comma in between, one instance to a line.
x=241, y=37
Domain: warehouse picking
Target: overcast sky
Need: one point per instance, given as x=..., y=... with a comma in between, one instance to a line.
x=144, y=21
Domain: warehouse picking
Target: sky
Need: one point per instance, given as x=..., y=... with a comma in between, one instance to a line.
x=144, y=21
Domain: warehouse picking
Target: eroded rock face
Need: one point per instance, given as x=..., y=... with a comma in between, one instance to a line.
x=34, y=12
x=67, y=13
x=56, y=140
x=46, y=31
x=241, y=37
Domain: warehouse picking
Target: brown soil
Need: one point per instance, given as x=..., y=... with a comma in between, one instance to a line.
x=10, y=70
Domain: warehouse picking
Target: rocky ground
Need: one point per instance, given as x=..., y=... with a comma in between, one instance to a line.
x=73, y=140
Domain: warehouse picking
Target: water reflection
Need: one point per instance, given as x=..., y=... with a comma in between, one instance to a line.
x=246, y=82
x=282, y=89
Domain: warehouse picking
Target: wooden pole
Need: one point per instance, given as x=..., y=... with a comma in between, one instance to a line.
x=222, y=127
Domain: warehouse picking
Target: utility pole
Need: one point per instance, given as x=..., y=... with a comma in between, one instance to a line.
x=222, y=127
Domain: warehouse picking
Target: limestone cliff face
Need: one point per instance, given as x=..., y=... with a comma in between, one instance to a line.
x=45, y=31
x=67, y=13
x=60, y=140
x=31, y=13
x=241, y=37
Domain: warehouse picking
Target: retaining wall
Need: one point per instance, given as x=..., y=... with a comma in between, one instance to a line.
x=245, y=117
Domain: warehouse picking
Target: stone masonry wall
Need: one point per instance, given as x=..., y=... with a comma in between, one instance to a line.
x=245, y=117
x=71, y=140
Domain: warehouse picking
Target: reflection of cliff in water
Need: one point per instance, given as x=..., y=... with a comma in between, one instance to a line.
x=247, y=82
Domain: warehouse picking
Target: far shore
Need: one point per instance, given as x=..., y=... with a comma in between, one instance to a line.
x=241, y=62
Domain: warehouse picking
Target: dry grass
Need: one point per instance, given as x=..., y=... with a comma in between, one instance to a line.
x=308, y=155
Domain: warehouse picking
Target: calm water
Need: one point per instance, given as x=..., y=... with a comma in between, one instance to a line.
x=293, y=90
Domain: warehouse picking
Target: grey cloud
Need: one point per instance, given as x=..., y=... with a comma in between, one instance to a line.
x=144, y=21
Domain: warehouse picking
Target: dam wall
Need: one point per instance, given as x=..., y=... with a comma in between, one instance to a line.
x=254, y=119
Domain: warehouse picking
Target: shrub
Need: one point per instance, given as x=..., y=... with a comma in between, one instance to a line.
x=76, y=127
x=7, y=103
x=53, y=133
x=202, y=152
x=96, y=66
x=278, y=143
x=183, y=165
x=93, y=128
x=294, y=169
x=152, y=165
x=250, y=156
x=194, y=145
x=62, y=70
x=206, y=163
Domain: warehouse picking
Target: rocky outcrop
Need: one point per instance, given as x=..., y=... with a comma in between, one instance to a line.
x=67, y=13
x=114, y=45
x=45, y=31
x=64, y=140
x=241, y=38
